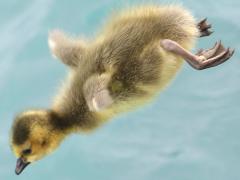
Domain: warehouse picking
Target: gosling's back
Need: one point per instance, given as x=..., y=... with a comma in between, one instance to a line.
x=130, y=43
x=129, y=50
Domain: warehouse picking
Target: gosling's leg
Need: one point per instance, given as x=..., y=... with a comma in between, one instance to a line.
x=66, y=49
x=204, y=58
x=204, y=28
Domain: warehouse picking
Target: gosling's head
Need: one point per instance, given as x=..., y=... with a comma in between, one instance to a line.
x=33, y=137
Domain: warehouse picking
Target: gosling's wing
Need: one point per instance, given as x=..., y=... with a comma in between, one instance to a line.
x=66, y=49
x=96, y=92
x=100, y=100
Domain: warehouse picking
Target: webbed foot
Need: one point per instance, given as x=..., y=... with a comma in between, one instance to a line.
x=214, y=56
x=204, y=58
x=204, y=28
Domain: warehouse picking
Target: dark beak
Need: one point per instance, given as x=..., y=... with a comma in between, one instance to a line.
x=20, y=166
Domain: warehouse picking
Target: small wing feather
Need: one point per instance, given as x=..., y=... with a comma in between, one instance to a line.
x=96, y=93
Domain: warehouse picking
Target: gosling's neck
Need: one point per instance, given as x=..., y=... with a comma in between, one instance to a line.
x=68, y=122
x=54, y=125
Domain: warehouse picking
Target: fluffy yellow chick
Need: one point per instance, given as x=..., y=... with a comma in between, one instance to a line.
x=135, y=56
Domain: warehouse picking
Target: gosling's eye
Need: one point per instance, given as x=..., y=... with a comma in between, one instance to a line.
x=27, y=151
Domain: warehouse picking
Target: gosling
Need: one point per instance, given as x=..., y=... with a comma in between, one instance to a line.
x=133, y=58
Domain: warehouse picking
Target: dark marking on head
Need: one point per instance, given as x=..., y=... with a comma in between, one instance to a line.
x=20, y=132
x=27, y=152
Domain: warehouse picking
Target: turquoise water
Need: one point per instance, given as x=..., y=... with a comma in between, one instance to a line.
x=190, y=132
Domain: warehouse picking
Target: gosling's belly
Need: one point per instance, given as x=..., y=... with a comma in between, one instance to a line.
x=145, y=92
